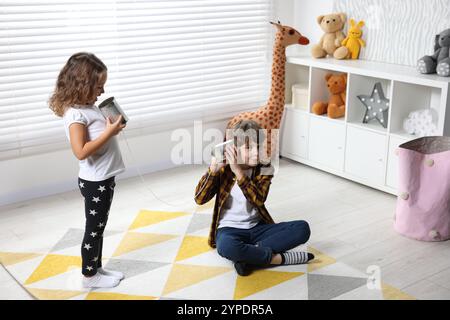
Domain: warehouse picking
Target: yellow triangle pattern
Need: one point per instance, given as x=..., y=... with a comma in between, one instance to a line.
x=115, y=296
x=134, y=241
x=391, y=293
x=320, y=260
x=146, y=218
x=192, y=246
x=45, y=294
x=182, y=276
x=10, y=258
x=260, y=280
x=52, y=265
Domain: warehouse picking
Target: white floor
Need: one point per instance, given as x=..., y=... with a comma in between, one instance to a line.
x=349, y=222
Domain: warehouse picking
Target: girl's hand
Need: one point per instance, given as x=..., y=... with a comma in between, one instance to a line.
x=231, y=156
x=114, y=128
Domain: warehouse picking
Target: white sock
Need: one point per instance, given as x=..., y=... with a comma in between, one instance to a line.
x=100, y=281
x=296, y=257
x=116, y=274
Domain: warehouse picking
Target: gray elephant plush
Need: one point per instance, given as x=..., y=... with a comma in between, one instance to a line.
x=439, y=62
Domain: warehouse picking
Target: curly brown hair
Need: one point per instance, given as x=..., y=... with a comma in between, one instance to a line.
x=76, y=82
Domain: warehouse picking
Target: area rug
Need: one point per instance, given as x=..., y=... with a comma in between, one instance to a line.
x=164, y=255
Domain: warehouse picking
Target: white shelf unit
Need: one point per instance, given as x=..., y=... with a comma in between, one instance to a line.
x=362, y=152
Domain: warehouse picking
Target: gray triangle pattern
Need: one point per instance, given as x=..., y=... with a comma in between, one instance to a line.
x=199, y=222
x=131, y=268
x=325, y=287
x=74, y=237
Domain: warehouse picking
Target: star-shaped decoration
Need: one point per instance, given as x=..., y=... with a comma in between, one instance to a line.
x=101, y=225
x=95, y=259
x=87, y=246
x=93, y=234
x=96, y=199
x=89, y=268
x=93, y=212
x=81, y=184
x=101, y=188
x=377, y=105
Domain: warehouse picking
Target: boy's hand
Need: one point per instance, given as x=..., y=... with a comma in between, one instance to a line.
x=231, y=156
x=114, y=128
x=215, y=165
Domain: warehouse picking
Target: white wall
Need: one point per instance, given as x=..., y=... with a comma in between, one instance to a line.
x=55, y=172
x=401, y=31
x=305, y=15
x=302, y=14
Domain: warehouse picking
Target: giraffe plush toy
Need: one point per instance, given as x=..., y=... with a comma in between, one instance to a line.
x=269, y=115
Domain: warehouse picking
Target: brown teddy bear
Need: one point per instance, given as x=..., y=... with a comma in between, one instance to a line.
x=335, y=107
x=332, y=24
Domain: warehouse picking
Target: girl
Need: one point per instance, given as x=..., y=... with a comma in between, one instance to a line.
x=93, y=142
x=242, y=229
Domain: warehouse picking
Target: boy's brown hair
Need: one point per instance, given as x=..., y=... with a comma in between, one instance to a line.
x=245, y=130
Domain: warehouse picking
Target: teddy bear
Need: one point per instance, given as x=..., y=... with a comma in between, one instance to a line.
x=439, y=62
x=332, y=24
x=353, y=41
x=335, y=107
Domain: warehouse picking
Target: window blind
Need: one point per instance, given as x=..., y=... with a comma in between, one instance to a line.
x=169, y=62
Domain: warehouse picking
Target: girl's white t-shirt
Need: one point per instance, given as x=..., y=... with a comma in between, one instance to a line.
x=105, y=162
x=237, y=211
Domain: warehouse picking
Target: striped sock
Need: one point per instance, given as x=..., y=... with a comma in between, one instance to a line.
x=295, y=257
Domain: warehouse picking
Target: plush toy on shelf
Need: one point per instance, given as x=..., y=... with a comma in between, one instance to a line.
x=332, y=24
x=439, y=62
x=335, y=107
x=421, y=122
x=353, y=41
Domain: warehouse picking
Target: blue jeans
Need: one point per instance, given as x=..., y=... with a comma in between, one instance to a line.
x=257, y=245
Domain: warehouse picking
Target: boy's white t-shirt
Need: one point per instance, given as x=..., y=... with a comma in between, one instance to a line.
x=237, y=211
x=107, y=161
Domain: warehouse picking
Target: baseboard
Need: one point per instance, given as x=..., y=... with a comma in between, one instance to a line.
x=70, y=185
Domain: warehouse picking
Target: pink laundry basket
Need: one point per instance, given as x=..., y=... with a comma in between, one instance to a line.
x=423, y=203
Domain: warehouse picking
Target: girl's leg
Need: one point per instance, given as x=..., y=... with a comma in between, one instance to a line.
x=110, y=184
x=233, y=244
x=97, y=203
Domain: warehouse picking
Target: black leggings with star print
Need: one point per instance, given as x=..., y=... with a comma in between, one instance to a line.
x=98, y=196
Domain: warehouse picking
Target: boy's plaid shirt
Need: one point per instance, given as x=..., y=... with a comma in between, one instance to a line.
x=255, y=189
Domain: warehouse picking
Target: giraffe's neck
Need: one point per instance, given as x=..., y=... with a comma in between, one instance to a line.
x=276, y=99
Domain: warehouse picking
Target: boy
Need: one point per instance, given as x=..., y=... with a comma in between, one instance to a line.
x=242, y=229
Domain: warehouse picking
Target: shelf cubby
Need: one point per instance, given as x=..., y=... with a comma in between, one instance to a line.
x=296, y=74
x=358, y=85
x=408, y=97
x=318, y=87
